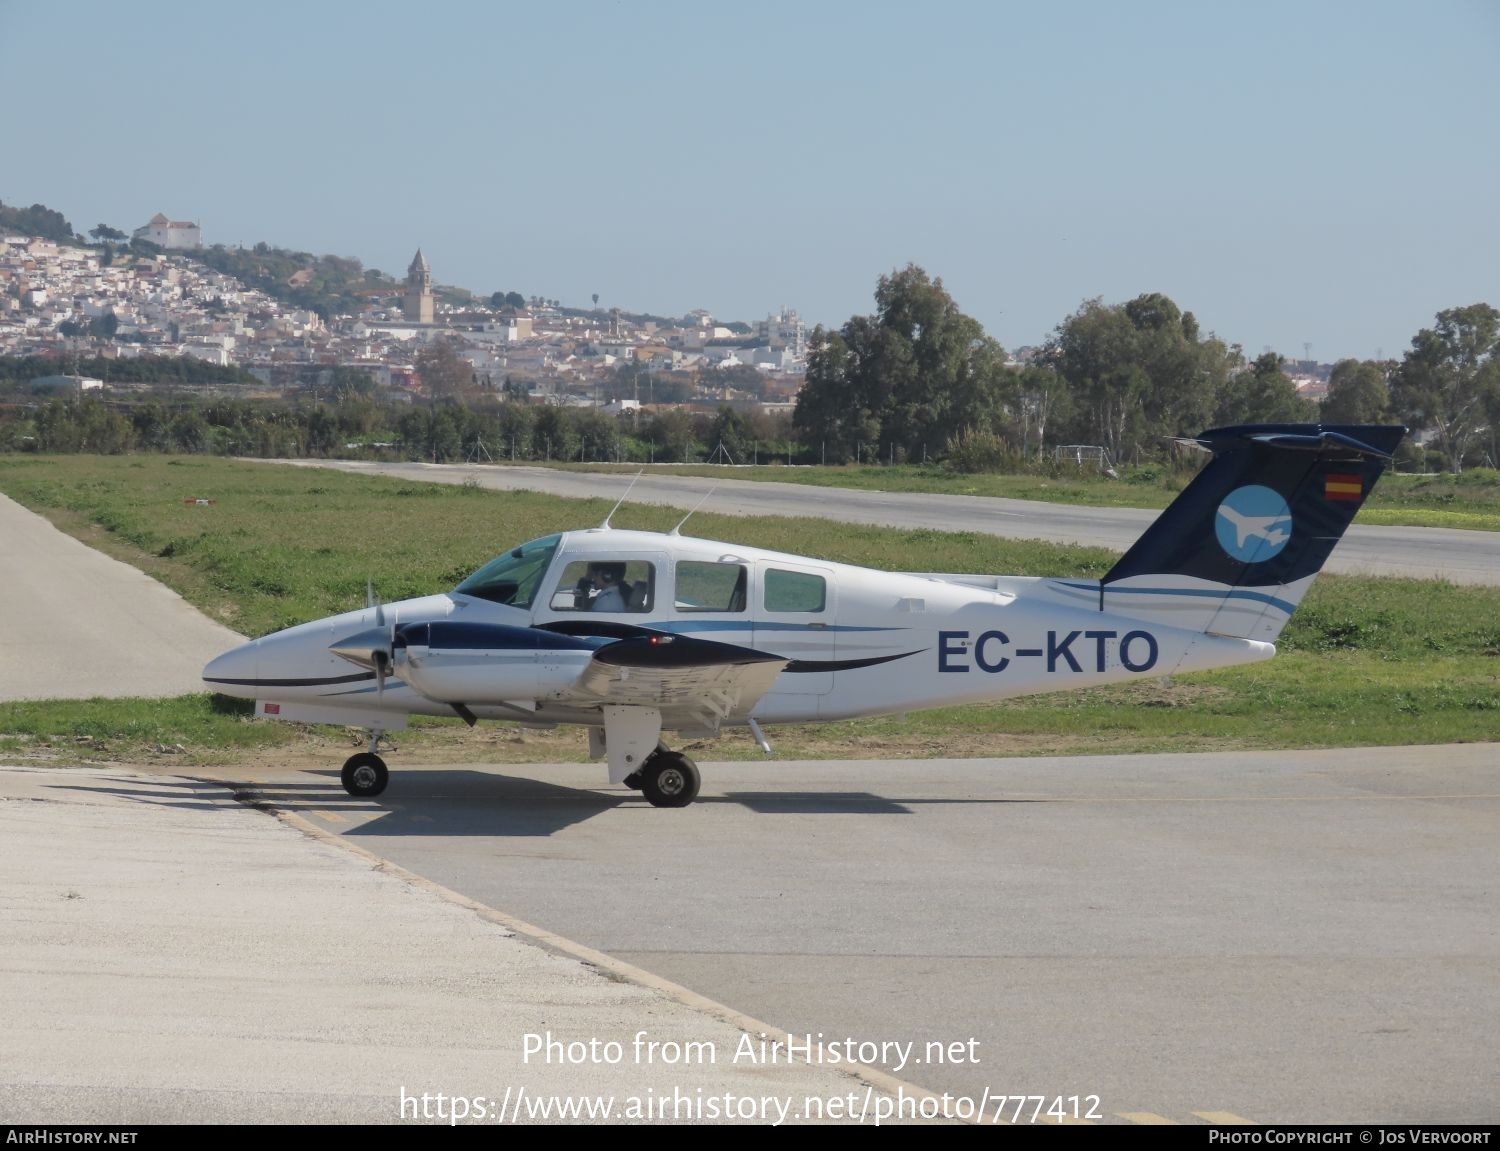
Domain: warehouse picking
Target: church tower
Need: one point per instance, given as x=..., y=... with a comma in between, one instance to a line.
x=419, y=291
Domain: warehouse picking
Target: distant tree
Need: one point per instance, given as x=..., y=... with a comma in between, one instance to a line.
x=100, y=430
x=322, y=431
x=1138, y=372
x=552, y=435
x=912, y=374
x=1357, y=393
x=1492, y=419
x=732, y=430
x=188, y=431
x=102, y=232
x=672, y=433
x=444, y=373
x=596, y=299
x=37, y=220
x=343, y=267
x=1448, y=378
x=675, y=388
x=515, y=425
x=597, y=433
x=833, y=413
x=515, y=300
x=352, y=383
x=1043, y=399
x=1264, y=394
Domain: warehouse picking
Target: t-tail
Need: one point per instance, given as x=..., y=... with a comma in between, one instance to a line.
x=1235, y=553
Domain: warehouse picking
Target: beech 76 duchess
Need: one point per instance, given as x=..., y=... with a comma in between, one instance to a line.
x=634, y=634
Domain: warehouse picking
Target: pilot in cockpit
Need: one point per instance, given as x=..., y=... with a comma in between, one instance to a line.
x=606, y=579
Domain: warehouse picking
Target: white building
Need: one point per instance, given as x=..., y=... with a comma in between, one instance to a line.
x=170, y=234
x=76, y=384
x=784, y=329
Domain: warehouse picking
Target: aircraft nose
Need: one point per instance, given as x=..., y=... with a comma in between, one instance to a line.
x=235, y=672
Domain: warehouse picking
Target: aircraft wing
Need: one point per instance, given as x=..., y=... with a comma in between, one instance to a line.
x=692, y=682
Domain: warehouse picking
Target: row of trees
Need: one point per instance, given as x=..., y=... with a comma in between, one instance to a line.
x=444, y=432
x=920, y=376
x=17, y=372
x=37, y=220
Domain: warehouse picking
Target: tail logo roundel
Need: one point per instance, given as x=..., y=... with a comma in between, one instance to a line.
x=1254, y=524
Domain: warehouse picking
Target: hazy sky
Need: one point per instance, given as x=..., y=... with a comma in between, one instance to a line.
x=1321, y=171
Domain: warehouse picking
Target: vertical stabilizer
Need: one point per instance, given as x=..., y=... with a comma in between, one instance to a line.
x=1235, y=553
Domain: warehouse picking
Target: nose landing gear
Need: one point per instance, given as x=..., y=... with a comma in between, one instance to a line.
x=365, y=775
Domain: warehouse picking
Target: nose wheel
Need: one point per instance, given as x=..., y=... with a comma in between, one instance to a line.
x=364, y=775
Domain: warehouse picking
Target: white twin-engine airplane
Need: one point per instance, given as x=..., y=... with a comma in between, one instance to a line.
x=633, y=634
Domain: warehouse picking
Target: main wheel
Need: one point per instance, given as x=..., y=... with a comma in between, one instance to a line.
x=670, y=779
x=364, y=775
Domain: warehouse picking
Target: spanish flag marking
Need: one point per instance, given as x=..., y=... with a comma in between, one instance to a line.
x=1342, y=488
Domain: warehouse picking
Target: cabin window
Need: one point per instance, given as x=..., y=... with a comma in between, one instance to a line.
x=605, y=585
x=710, y=586
x=794, y=591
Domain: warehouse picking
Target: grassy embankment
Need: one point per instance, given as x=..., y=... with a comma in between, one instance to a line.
x=1366, y=661
x=1470, y=500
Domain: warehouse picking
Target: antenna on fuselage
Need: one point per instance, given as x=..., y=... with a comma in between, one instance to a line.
x=622, y=499
x=678, y=529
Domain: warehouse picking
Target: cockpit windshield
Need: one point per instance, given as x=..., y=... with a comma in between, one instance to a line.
x=512, y=578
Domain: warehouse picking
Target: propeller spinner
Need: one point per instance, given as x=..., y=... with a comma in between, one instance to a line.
x=373, y=648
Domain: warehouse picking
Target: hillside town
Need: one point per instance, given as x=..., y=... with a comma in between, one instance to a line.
x=156, y=298
x=156, y=312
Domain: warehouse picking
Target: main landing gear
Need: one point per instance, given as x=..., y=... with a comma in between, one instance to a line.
x=667, y=779
x=365, y=775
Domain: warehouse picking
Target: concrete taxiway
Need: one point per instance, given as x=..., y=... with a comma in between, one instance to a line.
x=1278, y=937
x=1290, y=937
x=79, y=624
x=170, y=955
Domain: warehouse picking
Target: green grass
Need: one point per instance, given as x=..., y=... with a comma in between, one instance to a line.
x=1365, y=660
x=1470, y=500
x=283, y=545
x=194, y=728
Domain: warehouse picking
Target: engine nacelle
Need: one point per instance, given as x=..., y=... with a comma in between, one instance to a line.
x=487, y=663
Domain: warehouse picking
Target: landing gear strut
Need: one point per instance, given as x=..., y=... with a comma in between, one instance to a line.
x=667, y=778
x=365, y=775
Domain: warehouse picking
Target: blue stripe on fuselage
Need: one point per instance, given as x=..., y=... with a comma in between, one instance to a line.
x=1212, y=593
